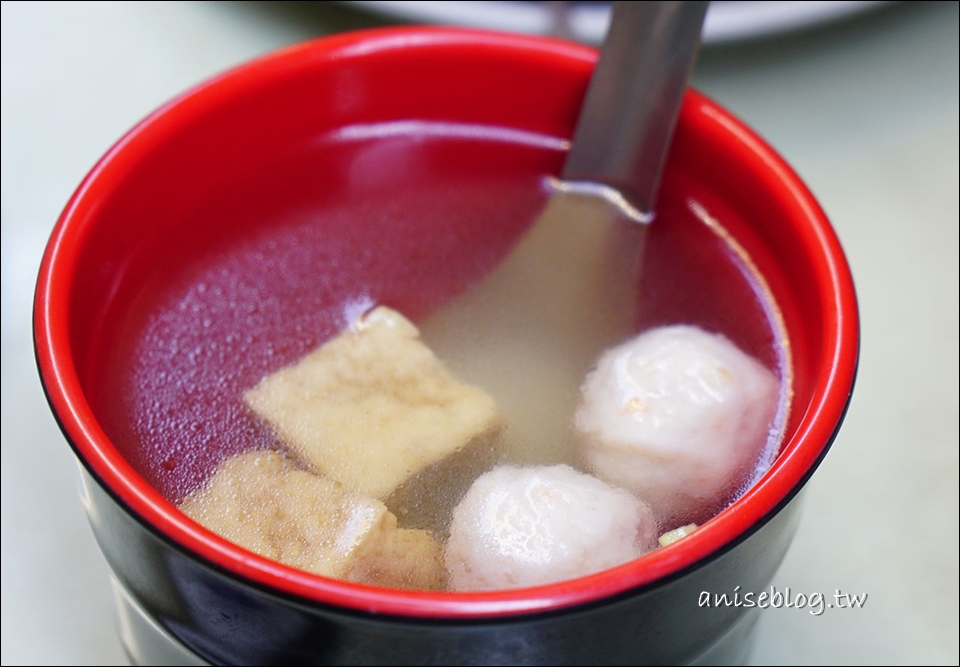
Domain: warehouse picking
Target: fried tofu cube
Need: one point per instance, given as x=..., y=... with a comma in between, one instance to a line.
x=265, y=503
x=375, y=410
x=403, y=558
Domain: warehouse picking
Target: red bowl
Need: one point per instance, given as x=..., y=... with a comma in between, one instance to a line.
x=146, y=211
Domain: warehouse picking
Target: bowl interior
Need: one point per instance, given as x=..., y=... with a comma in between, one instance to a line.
x=393, y=167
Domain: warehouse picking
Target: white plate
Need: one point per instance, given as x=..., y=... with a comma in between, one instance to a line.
x=587, y=21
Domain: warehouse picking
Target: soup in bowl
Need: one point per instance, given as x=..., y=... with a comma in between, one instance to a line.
x=256, y=234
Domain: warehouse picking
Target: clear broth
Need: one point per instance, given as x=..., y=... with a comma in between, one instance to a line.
x=319, y=236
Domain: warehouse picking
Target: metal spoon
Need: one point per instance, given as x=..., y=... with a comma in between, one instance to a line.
x=631, y=107
x=531, y=330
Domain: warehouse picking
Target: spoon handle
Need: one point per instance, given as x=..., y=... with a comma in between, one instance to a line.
x=634, y=96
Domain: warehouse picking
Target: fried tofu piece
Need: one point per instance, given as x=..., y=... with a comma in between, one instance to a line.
x=403, y=558
x=377, y=411
x=264, y=502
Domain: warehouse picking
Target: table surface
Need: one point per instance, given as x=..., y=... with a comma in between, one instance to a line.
x=865, y=109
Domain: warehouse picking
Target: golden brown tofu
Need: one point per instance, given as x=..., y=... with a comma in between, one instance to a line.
x=265, y=503
x=377, y=411
x=399, y=561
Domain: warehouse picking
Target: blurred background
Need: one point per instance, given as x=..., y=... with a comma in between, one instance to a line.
x=862, y=100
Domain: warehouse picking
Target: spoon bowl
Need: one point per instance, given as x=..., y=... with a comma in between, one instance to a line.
x=572, y=278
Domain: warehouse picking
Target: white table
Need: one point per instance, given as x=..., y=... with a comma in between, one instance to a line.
x=865, y=110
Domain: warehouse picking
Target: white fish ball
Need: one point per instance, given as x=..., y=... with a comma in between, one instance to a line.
x=679, y=417
x=529, y=526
